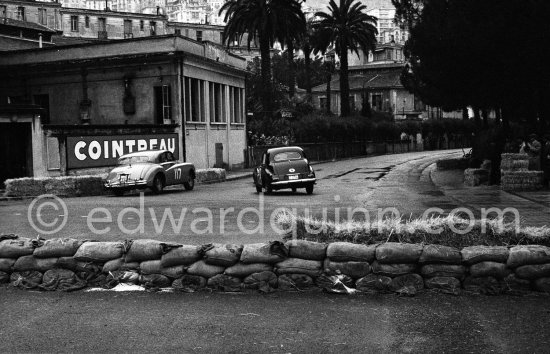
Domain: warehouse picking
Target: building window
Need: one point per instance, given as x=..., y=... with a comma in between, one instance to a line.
x=74, y=23
x=141, y=25
x=187, y=32
x=217, y=103
x=128, y=29
x=87, y=21
x=194, y=100
x=163, y=104
x=153, y=28
x=21, y=13
x=42, y=17
x=102, y=28
x=376, y=101
x=236, y=105
x=177, y=32
x=199, y=36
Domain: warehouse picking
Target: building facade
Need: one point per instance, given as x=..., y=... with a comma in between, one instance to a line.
x=47, y=14
x=73, y=110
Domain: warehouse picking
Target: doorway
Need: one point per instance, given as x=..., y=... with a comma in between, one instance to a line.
x=15, y=151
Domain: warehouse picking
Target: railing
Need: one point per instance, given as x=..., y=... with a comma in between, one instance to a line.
x=335, y=150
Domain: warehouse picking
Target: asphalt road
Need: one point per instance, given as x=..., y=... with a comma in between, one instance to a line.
x=311, y=322
x=232, y=212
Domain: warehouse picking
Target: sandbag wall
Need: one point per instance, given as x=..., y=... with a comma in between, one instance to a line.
x=515, y=174
x=69, y=264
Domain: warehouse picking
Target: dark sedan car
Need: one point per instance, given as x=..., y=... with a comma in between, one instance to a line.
x=284, y=168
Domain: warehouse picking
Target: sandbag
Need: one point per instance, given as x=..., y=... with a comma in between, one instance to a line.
x=78, y=266
x=26, y=280
x=16, y=247
x=294, y=282
x=307, y=249
x=271, y=252
x=443, y=270
x=151, y=267
x=337, y=284
x=353, y=269
x=4, y=277
x=242, y=270
x=189, y=283
x=528, y=254
x=154, y=281
x=121, y=276
x=373, y=283
x=144, y=250
x=62, y=280
x=173, y=272
x=483, y=285
x=476, y=254
x=346, y=251
x=58, y=247
x=119, y=264
x=262, y=281
x=99, y=251
x=299, y=266
x=183, y=255
x=203, y=269
x=533, y=271
x=489, y=269
x=395, y=253
x=224, y=282
x=392, y=270
x=514, y=283
x=408, y=284
x=31, y=263
x=440, y=254
x=222, y=255
x=6, y=264
x=542, y=284
x=448, y=285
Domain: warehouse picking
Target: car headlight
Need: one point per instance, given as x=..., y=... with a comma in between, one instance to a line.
x=311, y=172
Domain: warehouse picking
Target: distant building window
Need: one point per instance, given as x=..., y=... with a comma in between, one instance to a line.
x=194, y=15
x=3, y=11
x=128, y=29
x=177, y=31
x=74, y=23
x=141, y=25
x=87, y=21
x=376, y=101
x=187, y=32
x=42, y=17
x=102, y=28
x=199, y=36
x=323, y=102
x=153, y=26
x=21, y=13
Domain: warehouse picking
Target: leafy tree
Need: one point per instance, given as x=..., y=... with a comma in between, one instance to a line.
x=348, y=28
x=266, y=21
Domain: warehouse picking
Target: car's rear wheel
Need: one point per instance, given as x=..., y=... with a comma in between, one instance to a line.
x=158, y=184
x=309, y=189
x=189, y=185
x=118, y=192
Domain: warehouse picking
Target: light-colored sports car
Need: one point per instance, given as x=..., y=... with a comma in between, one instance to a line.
x=153, y=169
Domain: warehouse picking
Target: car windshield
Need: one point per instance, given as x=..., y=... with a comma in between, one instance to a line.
x=286, y=156
x=128, y=160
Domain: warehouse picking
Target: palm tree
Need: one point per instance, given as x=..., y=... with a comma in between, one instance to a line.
x=347, y=27
x=266, y=21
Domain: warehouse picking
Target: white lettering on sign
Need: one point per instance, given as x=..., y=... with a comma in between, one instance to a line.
x=79, y=146
x=95, y=150
x=177, y=173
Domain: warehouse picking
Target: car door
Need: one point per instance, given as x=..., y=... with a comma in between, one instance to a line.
x=173, y=174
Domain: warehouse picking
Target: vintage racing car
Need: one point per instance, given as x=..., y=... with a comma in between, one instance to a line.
x=153, y=169
x=282, y=168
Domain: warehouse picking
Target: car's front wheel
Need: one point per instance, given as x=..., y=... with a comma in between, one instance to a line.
x=189, y=185
x=158, y=184
x=309, y=189
x=118, y=192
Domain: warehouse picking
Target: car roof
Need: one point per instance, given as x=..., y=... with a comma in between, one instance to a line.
x=285, y=149
x=148, y=153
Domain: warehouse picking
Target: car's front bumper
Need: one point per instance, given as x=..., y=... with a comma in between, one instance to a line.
x=126, y=184
x=293, y=183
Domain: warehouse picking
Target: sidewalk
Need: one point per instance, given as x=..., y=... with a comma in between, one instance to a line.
x=533, y=206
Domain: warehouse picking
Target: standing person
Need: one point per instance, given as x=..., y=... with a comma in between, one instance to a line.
x=532, y=147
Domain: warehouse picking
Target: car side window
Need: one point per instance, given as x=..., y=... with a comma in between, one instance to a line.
x=162, y=157
x=170, y=157
x=264, y=159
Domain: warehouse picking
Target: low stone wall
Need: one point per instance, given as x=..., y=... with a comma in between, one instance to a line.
x=78, y=186
x=341, y=267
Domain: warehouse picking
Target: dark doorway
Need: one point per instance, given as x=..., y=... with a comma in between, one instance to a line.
x=15, y=151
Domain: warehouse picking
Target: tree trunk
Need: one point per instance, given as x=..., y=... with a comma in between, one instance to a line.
x=344, y=82
x=266, y=76
x=307, y=64
x=329, y=77
x=291, y=70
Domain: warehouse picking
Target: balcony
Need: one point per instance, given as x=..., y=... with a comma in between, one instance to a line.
x=102, y=35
